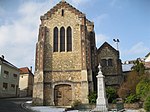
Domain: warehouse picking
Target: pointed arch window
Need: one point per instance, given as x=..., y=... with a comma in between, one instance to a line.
x=55, y=36
x=69, y=39
x=62, y=39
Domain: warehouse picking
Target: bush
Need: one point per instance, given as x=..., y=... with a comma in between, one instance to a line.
x=147, y=104
x=129, y=86
x=92, y=98
x=132, y=98
x=111, y=94
x=143, y=88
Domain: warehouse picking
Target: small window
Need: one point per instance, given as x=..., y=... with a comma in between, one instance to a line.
x=104, y=62
x=12, y=86
x=62, y=12
x=15, y=75
x=110, y=62
x=6, y=74
x=5, y=86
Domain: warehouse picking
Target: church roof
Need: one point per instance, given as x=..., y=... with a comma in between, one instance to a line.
x=64, y=4
x=105, y=44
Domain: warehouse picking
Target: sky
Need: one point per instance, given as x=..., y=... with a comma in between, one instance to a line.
x=126, y=20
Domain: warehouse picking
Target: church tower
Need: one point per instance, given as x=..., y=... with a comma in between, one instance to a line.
x=65, y=57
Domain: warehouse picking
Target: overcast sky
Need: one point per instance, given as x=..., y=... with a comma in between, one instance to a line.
x=127, y=20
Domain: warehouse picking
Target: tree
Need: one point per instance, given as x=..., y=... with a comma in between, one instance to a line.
x=129, y=86
x=138, y=67
x=143, y=88
x=147, y=104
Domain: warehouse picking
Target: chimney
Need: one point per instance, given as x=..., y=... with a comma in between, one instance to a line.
x=31, y=68
x=3, y=56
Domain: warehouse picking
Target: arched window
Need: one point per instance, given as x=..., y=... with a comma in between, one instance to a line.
x=62, y=39
x=69, y=39
x=55, y=36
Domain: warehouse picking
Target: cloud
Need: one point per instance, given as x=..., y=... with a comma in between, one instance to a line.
x=18, y=39
x=100, y=39
x=136, y=50
x=78, y=2
x=100, y=19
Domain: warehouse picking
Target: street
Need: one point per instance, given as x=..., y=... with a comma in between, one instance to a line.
x=13, y=105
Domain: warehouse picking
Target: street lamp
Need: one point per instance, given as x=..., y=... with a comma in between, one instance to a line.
x=116, y=41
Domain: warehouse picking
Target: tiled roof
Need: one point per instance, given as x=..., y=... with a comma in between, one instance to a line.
x=25, y=70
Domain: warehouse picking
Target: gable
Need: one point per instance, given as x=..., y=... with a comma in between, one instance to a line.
x=62, y=5
x=109, y=47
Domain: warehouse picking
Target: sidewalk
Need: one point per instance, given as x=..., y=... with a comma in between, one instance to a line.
x=27, y=105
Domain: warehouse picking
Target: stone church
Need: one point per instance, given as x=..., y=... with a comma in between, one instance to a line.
x=65, y=57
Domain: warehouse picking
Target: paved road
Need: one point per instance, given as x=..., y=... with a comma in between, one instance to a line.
x=13, y=105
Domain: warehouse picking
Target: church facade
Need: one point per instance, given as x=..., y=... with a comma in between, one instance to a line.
x=65, y=57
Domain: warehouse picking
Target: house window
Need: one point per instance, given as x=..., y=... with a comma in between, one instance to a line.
x=55, y=36
x=12, y=86
x=110, y=62
x=15, y=75
x=104, y=62
x=6, y=74
x=5, y=86
x=62, y=39
x=107, y=62
x=69, y=39
x=62, y=12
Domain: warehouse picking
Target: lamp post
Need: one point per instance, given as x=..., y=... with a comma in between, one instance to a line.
x=116, y=41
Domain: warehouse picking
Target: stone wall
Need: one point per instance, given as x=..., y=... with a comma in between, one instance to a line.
x=113, y=74
x=72, y=68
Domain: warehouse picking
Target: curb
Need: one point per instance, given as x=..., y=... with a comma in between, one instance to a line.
x=24, y=106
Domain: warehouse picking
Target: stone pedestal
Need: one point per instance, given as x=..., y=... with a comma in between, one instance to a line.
x=101, y=102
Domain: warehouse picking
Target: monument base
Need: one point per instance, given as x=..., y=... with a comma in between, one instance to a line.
x=101, y=105
x=100, y=108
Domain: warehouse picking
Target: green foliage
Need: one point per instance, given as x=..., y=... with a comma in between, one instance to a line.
x=129, y=86
x=111, y=94
x=147, y=104
x=132, y=98
x=143, y=88
x=139, y=67
x=92, y=97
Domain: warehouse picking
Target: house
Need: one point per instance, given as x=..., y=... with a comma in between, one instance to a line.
x=26, y=82
x=110, y=61
x=147, y=57
x=65, y=57
x=9, y=79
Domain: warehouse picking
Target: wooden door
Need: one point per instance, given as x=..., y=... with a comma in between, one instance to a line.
x=63, y=95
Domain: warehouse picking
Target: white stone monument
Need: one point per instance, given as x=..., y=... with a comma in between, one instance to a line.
x=101, y=102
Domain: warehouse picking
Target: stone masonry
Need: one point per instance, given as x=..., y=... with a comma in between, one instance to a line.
x=72, y=69
x=109, y=58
